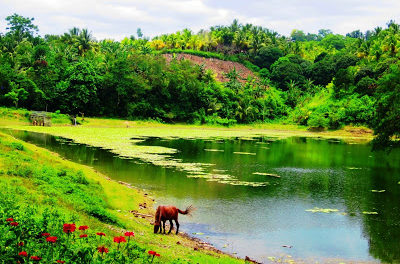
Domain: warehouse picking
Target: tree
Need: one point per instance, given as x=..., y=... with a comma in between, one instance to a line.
x=332, y=41
x=16, y=94
x=266, y=56
x=139, y=33
x=355, y=34
x=387, y=120
x=322, y=33
x=21, y=27
x=285, y=70
x=78, y=93
x=84, y=41
x=298, y=35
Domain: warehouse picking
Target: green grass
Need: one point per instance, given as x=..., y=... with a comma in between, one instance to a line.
x=38, y=185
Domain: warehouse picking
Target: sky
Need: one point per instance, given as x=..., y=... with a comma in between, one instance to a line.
x=121, y=18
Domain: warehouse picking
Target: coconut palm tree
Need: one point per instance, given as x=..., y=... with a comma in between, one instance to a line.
x=84, y=41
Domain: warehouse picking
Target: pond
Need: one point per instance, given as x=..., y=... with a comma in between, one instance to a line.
x=312, y=199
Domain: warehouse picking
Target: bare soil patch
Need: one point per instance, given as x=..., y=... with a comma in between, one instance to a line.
x=219, y=67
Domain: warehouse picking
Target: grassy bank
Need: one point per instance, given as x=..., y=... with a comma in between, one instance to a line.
x=11, y=116
x=41, y=192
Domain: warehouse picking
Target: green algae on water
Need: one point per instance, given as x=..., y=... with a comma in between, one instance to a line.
x=322, y=210
x=267, y=174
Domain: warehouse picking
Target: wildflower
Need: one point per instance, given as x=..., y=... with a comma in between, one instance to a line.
x=102, y=249
x=69, y=228
x=129, y=234
x=60, y=261
x=151, y=252
x=10, y=219
x=51, y=239
x=23, y=253
x=45, y=234
x=119, y=239
x=20, y=244
x=100, y=234
x=36, y=258
x=14, y=224
x=154, y=254
x=84, y=235
x=83, y=228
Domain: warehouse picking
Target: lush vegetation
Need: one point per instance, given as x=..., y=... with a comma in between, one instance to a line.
x=322, y=80
x=55, y=211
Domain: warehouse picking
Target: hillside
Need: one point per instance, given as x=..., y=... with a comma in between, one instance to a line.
x=219, y=67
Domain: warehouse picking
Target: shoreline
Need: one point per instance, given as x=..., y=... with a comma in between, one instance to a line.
x=169, y=246
x=201, y=244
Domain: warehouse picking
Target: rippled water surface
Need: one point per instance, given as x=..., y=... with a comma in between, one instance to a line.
x=299, y=179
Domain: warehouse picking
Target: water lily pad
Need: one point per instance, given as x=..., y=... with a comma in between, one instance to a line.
x=217, y=170
x=214, y=150
x=353, y=168
x=370, y=213
x=199, y=234
x=267, y=174
x=244, y=153
x=378, y=191
x=322, y=210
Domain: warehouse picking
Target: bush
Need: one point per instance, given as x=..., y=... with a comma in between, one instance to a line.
x=216, y=120
x=318, y=120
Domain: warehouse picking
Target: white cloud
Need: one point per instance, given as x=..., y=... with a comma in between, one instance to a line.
x=119, y=18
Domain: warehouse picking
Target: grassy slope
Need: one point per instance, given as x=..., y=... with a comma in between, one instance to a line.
x=19, y=168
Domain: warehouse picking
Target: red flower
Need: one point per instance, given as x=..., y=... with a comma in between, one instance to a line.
x=69, y=228
x=102, y=249
x=10, y=220
x=83, y=227
x=23, y=253
x=60, y=261
x=20, y=244
x=51, y=239
x=46, y=234
x=84, y=235
x=14, y=224
x=36, y=258
x=100, y=234
x=119, y=239
x=151, y=252
x=129, y=234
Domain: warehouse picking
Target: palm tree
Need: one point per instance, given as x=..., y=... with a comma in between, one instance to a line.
x=84, y=41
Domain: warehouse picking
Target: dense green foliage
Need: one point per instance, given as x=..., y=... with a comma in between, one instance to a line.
x=130, y=79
